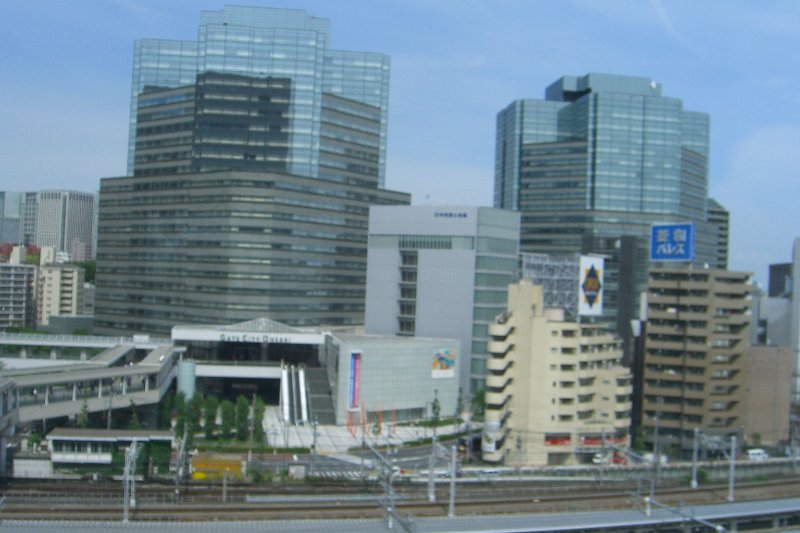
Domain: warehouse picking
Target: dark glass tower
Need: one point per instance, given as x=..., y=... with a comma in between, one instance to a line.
x=594, y=164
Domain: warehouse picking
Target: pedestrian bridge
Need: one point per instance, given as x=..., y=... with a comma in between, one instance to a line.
x=137, y=369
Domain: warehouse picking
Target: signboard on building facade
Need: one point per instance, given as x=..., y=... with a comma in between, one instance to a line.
x=353, y=392
x=444, y=363
x=590, y=289
x=672, y=242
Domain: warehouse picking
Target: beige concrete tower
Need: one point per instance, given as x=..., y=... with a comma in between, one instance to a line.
x=556, y=391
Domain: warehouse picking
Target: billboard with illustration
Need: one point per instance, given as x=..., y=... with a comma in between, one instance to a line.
x=444, y=363
x=590, y=290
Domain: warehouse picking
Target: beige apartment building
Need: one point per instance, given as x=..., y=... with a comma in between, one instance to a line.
x=696, y=341
x=60, y=292
x=557, y=392
x=769, y=376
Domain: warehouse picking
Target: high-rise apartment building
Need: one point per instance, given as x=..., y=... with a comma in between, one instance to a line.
x=556, y=392
x=254, y=155
x=17, y=296
x=441, y=271
x=596, y=163
x=695, y=349
x=60, y=292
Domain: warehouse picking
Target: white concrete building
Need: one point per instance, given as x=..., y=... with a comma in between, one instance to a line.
x=60, y=292
x=441, y=271
x=557, y=392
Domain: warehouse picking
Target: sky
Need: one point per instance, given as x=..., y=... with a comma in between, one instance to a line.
x=66, y=73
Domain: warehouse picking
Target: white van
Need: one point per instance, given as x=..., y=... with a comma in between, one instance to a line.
x=756, y=454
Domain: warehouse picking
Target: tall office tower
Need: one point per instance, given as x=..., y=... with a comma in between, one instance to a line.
x=230, y=246
x=300, y=83
x=64, y=221
x=27, y=218
x=9, y=216
x=593, y=165
x=780, y=280
x=695, y=345
x=254, y=155
x=441, y=271
x=557, y=392
x=720, y=220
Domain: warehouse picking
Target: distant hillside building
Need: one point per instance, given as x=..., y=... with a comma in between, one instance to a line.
x=556, y=390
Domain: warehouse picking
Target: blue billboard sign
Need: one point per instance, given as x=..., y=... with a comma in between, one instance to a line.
x=672, y=242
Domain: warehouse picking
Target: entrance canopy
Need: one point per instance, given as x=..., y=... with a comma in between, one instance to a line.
x=258, y=331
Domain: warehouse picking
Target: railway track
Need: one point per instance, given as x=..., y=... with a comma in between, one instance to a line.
x=156, y=503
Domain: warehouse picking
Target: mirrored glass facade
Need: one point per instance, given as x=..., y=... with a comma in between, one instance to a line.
x=269, y=43
x=598, y=161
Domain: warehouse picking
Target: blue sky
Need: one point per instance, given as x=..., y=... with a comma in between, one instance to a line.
x=66, y=68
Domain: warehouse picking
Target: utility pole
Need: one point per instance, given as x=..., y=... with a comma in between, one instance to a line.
x=656, y=444
x=314, y=425
x=431, y=466
x=693, y=483
x=129, y=480
x=732, y=474
x=451, y=509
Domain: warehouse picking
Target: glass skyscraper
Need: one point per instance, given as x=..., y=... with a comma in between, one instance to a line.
x=262, y=43
x=255, y=154
x=594, y=164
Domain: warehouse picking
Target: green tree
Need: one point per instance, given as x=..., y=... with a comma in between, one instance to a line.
x=459, y=405
x=242, y=415
x=194, y=410
x=479, y=402
x=165, y=411
x=89, y=269
x=228, y=418
x=210, y=416
x=133, y=422
x=82, y=420
x=180, y=414
x=258, y=421
x=436, y=411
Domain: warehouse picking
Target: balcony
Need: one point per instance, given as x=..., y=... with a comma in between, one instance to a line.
x=499, y=347
x=497, y=399
x=499, y=364
x=500, y=330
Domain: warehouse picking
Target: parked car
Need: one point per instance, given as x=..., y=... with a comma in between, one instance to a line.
x=756, y=454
